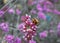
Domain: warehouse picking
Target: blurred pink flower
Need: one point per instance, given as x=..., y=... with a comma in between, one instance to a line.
x=48, y=10
x=1, y=13
x=32, y=41
x=18, y=12
x=4, y=27
x=11, y=11
x=41, y=15
x=20, y=26
x=43, y=34
x=58, y=26
x=48, y=3
x=51, y=31
x=9, y=38
x=33, y=11
x=56, y=12
x=39, y=8
x=17, y=40
x=42, y=1
x=24, y=18
x=34, y=2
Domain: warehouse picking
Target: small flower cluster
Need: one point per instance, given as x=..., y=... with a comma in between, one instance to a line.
x=58, y=29
x=43, y=34
x=12, y=11
x=4, y=26
x=28, y=27
x=1, y=13
x=12, y=39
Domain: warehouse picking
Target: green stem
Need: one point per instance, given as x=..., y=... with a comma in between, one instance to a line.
x=37, y=39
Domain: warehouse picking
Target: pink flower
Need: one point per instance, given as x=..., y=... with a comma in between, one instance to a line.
x=42, y=1
x=28, y=27
x=56, y=12
x=58, y=33
x=9, y=38
x=48, y=3
x=58, y=26
x=51, y=31
x=34, y=2
x=18, y=12
x=41, y=15
x=32, y=41
x=12, y=39
x=11, y=11
x=21, y=26
x=33, y=11
x=43, y=34
x=24, y=18
x=4, y=27
x=48, y=10
x=1, y=13
x=58, y=29
x=17, y=40
x=39, y=8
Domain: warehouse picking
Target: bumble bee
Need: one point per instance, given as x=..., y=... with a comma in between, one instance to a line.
x=35, y=21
